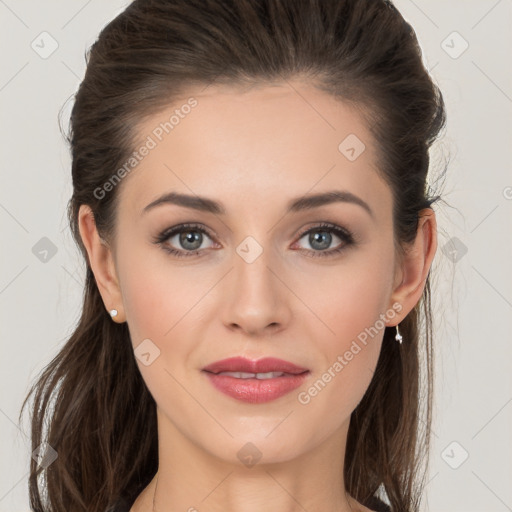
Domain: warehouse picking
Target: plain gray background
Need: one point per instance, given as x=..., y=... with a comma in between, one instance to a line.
x=471, y=464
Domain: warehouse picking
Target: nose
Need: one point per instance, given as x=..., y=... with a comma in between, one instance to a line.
x=258, y=301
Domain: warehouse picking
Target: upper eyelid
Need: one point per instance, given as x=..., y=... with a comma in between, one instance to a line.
x=187, y=226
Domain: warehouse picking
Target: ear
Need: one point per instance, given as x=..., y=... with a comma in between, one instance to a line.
x=101, y=262
x=412, y=271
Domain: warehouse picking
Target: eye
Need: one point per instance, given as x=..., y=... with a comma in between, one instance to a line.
x=320, y=238
x=188, y=236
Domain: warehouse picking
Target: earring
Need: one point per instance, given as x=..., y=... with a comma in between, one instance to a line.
x=113, y=313
x=398, y=336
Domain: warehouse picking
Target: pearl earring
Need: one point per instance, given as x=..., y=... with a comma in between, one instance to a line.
x=113, y=313
x=398, y=336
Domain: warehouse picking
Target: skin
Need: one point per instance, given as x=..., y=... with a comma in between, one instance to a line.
x=254, y=150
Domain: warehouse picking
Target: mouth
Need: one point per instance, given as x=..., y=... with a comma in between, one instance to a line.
x=255, y=381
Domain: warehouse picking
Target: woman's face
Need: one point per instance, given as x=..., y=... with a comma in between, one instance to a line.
x=253, y=284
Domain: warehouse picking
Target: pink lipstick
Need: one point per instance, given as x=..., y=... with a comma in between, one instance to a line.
x=255, y=381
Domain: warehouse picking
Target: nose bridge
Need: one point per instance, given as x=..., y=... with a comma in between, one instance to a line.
x=257, y=297
x=255, y=252
x=253, y=277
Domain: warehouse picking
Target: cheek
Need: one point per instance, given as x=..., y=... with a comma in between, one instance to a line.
x=350, y=305
x=153, y=295
x=350, y=298
x=156, y=303
x=161, y=303
x=145, y=292
x=143, y=299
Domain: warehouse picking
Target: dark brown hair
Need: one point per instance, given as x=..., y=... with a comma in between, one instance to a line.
x=91, y=404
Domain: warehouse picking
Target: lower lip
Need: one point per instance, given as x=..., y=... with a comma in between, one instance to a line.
x=256, y=391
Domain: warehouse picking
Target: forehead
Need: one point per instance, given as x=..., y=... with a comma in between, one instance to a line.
x=263, y=142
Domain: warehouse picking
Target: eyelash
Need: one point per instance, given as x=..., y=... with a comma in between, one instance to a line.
x=344, y=234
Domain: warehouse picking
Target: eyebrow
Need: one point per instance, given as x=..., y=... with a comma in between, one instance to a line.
x=295, y=205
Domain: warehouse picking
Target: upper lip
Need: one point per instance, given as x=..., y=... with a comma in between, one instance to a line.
x=265, y=365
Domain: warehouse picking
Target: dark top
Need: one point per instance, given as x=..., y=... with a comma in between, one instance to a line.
x=375, y=504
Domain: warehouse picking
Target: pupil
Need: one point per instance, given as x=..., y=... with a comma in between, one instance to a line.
x=189, y=237
x=318, y=237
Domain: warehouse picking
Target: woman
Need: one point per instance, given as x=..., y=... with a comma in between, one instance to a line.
x=250, y=196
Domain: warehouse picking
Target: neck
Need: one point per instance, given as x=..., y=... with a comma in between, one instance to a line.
x=191, y=478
